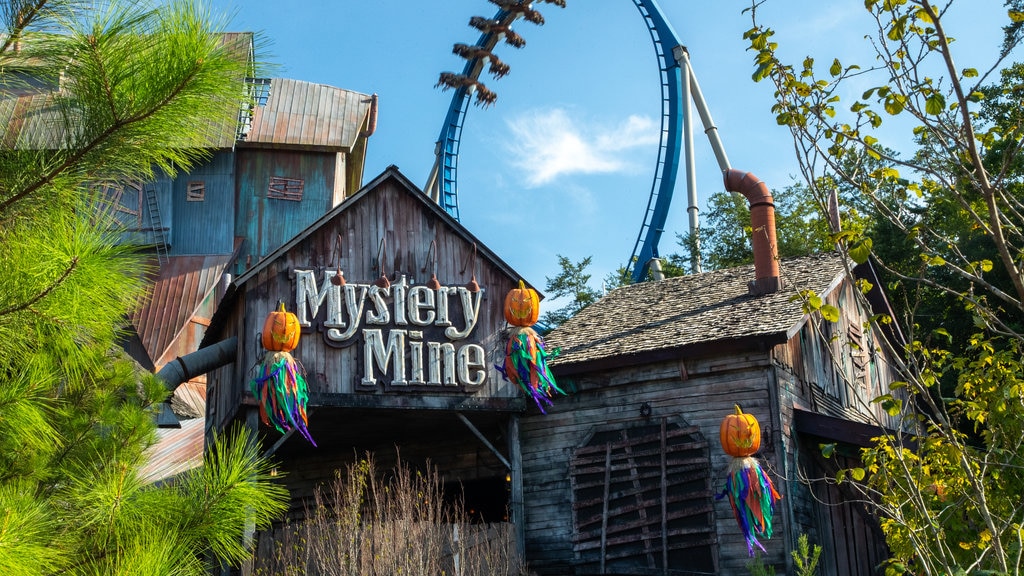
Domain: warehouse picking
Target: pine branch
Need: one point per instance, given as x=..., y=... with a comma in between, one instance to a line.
x=85, y=149
x=22, y=20
x=44, y=293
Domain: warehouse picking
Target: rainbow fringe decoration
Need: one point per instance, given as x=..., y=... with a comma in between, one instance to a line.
x=753, y=497
x=281, y=391
x=526, y=364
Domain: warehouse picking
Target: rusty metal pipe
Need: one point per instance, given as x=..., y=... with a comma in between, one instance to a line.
x=762, y=221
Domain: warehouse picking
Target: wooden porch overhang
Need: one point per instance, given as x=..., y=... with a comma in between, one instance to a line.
x=858, y=434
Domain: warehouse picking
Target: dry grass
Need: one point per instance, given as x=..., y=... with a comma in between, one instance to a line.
x=365, y=523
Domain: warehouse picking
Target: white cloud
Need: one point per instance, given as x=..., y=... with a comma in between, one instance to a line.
x=547, y=144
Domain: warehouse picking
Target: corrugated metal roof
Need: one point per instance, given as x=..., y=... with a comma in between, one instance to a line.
x=177, y=291
x=311, y=115
x=687, y=310
x=31, y=122
x=176, y=450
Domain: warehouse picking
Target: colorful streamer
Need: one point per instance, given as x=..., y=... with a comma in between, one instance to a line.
x=753, y=497
x=526, y=364
x=282, y=393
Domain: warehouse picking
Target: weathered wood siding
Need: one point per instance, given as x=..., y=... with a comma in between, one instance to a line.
x=414, y=237
x=267, y=223
x=203, y=226
x=698, y=391
x=831, y=368
x=838, y=366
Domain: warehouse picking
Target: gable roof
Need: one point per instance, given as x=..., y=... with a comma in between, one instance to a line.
x=635, y=322
x=390, y=173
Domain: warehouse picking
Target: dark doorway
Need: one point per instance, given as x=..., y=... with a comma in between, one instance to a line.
x=484, y=500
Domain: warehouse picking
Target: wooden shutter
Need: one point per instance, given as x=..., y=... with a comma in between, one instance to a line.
x=642, y=501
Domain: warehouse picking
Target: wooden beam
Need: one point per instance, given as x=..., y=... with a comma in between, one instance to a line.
x=604, y=511
x=842, y=430
x=480, y=436
x=410, y=402
x=518, y=510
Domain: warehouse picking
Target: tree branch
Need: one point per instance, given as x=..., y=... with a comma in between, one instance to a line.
x=44, y=293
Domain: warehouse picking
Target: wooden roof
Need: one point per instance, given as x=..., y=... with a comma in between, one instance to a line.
x=310, y=115
x=177, y=292
x=634, y=322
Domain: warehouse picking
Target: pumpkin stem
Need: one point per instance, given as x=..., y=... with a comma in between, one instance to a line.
x=738, y=411
x=522, y=285
x=280, y=306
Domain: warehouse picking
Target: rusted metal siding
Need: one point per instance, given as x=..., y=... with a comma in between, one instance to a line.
x=178, y=293
x=31, y=122
x=205, y=226
x=313, y=116
x=175, y=451
x=267, y=223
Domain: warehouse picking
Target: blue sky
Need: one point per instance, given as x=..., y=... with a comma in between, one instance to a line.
x=563, y=162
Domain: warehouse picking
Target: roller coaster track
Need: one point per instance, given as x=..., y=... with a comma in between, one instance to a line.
x=678, y=88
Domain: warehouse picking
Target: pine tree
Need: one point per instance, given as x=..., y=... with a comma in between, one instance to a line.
x=122, y=90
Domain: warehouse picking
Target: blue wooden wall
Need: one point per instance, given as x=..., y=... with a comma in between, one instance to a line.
x=267, y=223
x=207, y=226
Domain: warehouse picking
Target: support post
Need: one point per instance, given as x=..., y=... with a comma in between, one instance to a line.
x=689, y=163
x=517, y=508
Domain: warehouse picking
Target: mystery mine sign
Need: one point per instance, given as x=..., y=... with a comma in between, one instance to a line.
x=409, y=332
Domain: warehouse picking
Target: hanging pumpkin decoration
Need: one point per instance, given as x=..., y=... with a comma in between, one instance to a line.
x=751, y=492
x=522, y=306
x=740, y=434
x=280, y=331
x=280, y=387
x=526, y=354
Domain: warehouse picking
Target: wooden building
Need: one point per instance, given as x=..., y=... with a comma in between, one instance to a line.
x=396, y=365
x=621, y=476
x=294, y=151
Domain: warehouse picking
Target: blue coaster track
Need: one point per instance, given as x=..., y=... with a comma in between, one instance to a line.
x=678, y=88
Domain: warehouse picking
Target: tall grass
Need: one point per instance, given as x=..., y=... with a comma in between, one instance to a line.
x=366, y=523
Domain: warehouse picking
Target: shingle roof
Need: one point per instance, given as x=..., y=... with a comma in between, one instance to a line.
x=688, y=310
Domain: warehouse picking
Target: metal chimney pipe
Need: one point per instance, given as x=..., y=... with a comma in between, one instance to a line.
x=182, y=368
x=762, y=221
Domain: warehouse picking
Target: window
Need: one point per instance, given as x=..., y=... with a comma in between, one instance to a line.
x=283, y=188
x=126, y=201
x=196, y=191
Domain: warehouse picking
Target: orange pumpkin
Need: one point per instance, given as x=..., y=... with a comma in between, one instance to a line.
x=522, y=306
x=281, y=331
x=740, y=434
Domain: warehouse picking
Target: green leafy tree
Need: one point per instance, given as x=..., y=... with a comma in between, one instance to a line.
x=947, y=232
x=572, y=282
x=125, y=89
x=802, y=228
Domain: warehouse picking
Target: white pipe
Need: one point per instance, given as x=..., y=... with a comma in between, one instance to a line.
x=702, y=109
x=690, y=164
